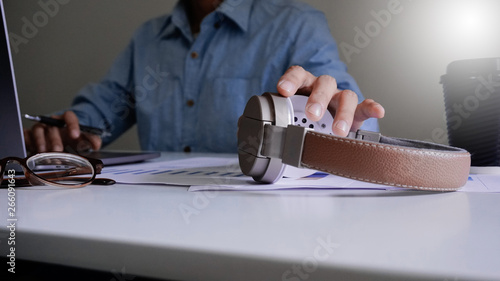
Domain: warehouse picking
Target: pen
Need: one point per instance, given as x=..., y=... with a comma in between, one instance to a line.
x=61, y=124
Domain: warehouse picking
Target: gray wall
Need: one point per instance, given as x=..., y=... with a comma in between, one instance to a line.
x=398, y=61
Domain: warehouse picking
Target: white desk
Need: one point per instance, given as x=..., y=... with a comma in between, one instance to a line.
x=373, y=235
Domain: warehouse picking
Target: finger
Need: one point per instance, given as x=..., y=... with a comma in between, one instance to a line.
x=54, y=138
x=344, y=103
x=85, y=143
x=94, y=140
x=38, y=137
x=295, y=78
x=72, y=124
x=28, y=143
x=365, y=110
x=322, y=92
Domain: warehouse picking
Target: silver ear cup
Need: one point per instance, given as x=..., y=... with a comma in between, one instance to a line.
x=268, y=109
x=300, y=119
x=275, y=110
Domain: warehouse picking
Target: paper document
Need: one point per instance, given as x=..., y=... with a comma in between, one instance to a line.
x=185, y=172
x=214, y=173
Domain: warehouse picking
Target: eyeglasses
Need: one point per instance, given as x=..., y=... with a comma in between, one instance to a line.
x=53, y=168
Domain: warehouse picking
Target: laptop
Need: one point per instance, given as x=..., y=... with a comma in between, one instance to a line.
x=11, y=129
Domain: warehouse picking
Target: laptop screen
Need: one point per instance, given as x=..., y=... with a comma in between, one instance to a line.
x=11, y=132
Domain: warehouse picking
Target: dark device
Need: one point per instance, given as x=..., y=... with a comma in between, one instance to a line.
x=472, y=101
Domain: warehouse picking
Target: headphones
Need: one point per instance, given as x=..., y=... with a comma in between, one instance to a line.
x=274, y=133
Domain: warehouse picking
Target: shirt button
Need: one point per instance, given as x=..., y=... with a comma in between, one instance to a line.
x=217, y=25
x=194, y=55
x=187, y=149
x=190, y=103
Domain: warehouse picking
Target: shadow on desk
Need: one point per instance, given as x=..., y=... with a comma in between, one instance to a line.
x=37, y=271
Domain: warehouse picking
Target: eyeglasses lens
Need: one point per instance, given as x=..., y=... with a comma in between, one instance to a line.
x=61, y=169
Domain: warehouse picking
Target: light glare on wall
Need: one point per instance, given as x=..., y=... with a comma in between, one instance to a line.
x=469, y=20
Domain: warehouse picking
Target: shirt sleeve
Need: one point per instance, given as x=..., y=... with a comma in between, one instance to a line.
x=316, y=51
x=109, y=104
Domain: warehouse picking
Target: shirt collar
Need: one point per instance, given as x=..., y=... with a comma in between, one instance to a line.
x=236, y=10
x=177, y=21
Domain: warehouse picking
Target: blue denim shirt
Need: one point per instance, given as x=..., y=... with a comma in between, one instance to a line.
x=189, y=91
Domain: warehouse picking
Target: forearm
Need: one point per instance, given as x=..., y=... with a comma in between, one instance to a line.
x=103, y=106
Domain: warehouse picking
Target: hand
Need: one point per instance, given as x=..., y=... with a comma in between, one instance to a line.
x=323, y=94
x=43, y=138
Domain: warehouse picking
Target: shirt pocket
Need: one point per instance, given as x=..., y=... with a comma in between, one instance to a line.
x=221, y=104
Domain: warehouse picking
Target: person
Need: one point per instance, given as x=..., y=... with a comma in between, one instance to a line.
x=185, y=78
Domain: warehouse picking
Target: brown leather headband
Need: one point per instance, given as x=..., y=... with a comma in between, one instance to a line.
x=391, y=161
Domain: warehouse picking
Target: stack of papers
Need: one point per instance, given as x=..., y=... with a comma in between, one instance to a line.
x=212, y=173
